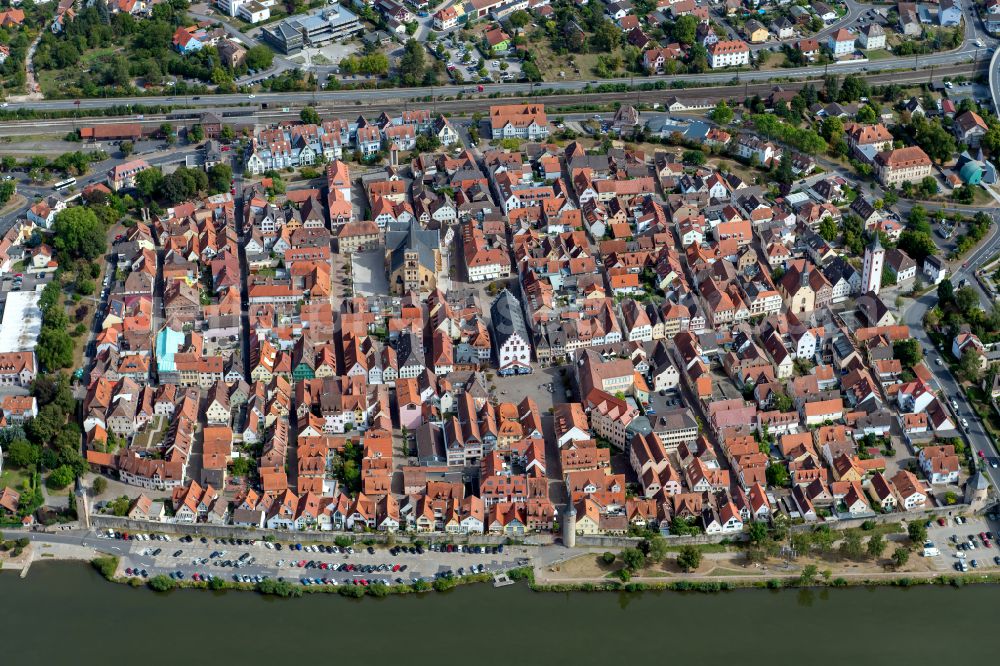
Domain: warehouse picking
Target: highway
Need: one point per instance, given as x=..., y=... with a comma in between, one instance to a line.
x=967, y=54
x=288, y=109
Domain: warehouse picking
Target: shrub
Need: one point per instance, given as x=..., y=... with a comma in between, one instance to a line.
x=162, y=583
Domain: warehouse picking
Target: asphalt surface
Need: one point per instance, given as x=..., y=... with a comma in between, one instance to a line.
x=913, y=317
x=967, y=52
x=196, y=557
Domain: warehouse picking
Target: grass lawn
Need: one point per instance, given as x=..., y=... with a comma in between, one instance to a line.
x=980, y=197
x=12, y=478
x=877, y=54
x=550, y=64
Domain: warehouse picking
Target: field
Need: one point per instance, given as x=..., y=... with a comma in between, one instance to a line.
x=59, y=82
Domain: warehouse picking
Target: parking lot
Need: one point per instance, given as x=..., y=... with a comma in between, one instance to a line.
x=462, y=60
x=250, y=561
x=961, y=542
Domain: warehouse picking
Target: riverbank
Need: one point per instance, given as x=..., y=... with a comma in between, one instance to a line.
x=112, y=570
x=42, y=551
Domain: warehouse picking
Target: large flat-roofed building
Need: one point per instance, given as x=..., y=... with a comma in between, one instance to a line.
x=22, y=322
x=296, y=33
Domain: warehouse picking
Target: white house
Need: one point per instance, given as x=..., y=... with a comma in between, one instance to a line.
x=729, y=53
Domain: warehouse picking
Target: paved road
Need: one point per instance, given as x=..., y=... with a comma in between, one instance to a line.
x=967, y=53
x=976, y=434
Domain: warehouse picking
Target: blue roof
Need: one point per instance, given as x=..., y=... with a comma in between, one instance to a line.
x=168, y=341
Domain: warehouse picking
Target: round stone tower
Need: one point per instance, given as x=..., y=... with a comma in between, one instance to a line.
x=569, y=526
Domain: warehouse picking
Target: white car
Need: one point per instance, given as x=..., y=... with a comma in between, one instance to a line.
x=251, y=96
x=954, y=404
x=965, y=424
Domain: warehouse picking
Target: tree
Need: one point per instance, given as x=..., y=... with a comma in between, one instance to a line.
x=519, y=19
x=60, y=477
x=78, y=233
x=850, y=547
x=100, y=485
x=908, y=352
x=259, y=58
x=310, y=116
x=7, y=190
x=606, y=37
x=22, y=453
x=969, y=366
x=946, y=292
x=685, y=29
x=917, y=531
x=608, y=557
x=916, y=244
x=656, y=549
x=54, y=349
x=148, y=182
x=167, y=131
x=689, y=558
x=633, y=559
x=412, y=65
x=695, y=157
x=219, y=178
x=828, y=229
x=722, y=114
x=808, y=575
x=876, y=546
x=900, y=557
x=777, y=475
x=757, y=532
x=967, y=300
x=126, y=148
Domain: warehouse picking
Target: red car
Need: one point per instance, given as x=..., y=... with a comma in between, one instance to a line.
x=225, y=149
x=395, y=567
x=981, y=454
x=941, y=522
x=480, y=88
x=302, y=563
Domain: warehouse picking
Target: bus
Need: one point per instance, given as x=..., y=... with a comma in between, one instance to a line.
x=63, y=184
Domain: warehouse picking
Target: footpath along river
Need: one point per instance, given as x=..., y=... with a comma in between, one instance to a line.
x=65, y=613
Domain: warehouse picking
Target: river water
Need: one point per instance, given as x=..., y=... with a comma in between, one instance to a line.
x=65, y=613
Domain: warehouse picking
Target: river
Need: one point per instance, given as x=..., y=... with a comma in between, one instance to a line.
x=64, y=613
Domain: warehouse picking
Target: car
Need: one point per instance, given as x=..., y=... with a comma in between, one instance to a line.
x=954, y=404
x=965, y=425
x=937, y=361
x=371, y=551
x=981, y=454
x=975, y=564
x=251, y=96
